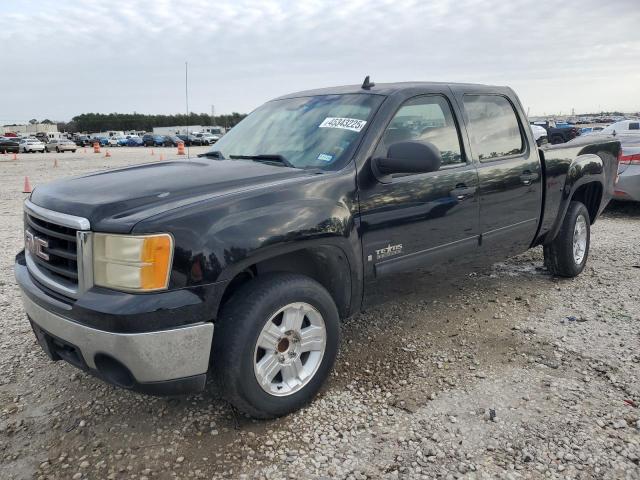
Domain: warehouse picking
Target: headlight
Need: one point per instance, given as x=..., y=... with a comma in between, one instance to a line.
x=139, y=263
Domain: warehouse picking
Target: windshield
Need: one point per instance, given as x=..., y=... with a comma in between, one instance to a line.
x=308, y=132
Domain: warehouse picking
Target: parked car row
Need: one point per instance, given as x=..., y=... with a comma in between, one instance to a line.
x=32, y=144
x=149, y=140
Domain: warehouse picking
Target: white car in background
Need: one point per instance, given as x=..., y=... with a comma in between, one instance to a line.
x=117, y=140
x=31, y=145
x=540, y=134
x=207, y=138
x=625, y=127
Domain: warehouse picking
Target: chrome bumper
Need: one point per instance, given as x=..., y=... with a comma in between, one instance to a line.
x=150, y=357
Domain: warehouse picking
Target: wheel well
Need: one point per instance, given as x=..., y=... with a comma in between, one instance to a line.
x=590, y=195
x=326, y=265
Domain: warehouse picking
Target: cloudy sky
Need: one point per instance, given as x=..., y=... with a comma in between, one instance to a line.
x=62, y=58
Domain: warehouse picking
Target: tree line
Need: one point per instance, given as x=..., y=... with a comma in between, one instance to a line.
x=100, y=122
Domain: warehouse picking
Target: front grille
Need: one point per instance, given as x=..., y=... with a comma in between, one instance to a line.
x=58, y=250
x=61, y=248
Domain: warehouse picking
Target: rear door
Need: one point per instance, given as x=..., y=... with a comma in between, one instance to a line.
x=509, y=172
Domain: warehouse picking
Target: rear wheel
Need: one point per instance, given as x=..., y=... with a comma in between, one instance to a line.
x=567, y=255
x=275, y=344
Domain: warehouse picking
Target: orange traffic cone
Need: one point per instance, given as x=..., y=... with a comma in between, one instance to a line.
x=181, y=148
x=161, y=157
x=96, y=147
x=55, y=163
x=15, y=156
x=27, y=186
x=152, y=151
x=107, y=155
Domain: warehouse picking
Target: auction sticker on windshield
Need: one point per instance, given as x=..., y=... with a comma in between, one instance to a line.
x=352, y=124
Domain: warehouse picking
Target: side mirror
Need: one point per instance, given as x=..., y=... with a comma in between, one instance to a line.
x=407, y=157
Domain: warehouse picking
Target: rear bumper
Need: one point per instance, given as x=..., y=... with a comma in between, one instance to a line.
x=164, y=361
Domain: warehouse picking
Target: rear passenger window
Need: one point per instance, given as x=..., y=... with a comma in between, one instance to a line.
x=634, y=126
x=426, y=119
x=493, y=127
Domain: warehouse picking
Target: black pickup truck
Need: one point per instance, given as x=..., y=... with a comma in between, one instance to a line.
x=558, y=134
x=240, y=264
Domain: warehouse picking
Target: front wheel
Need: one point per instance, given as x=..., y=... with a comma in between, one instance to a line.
x=566, y=255
x=275, y=344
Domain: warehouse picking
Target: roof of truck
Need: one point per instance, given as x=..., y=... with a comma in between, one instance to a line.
x=386, y=88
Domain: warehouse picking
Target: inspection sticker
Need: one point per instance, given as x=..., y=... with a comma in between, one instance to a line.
x=325, y=157
x=352, y=124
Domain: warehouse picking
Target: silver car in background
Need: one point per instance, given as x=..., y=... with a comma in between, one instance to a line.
x=628, y=186
x=60, y=145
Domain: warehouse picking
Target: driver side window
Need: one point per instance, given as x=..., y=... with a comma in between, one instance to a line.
x=426, y=119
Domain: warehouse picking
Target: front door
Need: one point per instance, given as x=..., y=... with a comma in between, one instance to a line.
x=422, y=222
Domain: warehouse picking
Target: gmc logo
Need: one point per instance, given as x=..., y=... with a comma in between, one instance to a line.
x=35, y=245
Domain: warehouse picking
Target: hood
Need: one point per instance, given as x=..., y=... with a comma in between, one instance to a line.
x=115, y=200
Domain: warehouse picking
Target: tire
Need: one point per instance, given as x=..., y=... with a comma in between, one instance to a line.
x=57, y=150
x=561, y=257
x=73, y=151
x=237, y=354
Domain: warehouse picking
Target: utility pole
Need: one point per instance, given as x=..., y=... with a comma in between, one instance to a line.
x=213, y=115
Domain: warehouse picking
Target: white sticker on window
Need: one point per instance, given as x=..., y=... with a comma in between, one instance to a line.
x=352, y=124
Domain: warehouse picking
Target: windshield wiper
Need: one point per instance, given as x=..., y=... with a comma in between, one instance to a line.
x=266, y=158
x=212, y=154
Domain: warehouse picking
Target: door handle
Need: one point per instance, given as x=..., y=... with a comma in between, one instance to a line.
x=462, y=192
x=527, y=177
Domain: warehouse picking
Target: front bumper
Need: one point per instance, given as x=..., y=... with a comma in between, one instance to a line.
x=167, y=361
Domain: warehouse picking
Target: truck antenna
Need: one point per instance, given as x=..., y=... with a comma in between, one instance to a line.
x=367, y=84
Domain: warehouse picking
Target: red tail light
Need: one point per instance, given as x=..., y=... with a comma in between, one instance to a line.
x=629, y=159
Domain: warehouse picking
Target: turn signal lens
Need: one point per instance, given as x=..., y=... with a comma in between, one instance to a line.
x=132, y=263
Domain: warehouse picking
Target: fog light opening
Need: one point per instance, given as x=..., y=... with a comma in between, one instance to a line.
x=114, y=371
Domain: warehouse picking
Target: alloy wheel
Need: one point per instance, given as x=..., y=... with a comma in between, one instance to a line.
x=290, y=349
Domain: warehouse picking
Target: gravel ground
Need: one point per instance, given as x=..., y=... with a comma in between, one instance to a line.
x=509, y=373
